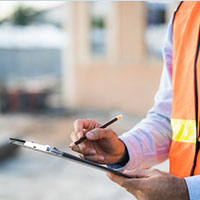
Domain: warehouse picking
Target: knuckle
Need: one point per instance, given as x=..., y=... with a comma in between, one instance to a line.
x=101, y=133
x=137, y=170
x=108, y=132
x=89, y=158
x=111, y=176
x=72, y=134
x=77, y=122
x=128, y=189
x=122, y=183
x=72, y=148
x=75, y=149
x=97, y=133
x=81, y=155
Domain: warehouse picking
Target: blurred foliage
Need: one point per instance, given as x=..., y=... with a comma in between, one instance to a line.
x=23, y=15
x=98, y=22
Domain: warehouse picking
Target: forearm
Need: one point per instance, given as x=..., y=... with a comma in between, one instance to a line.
x=148, y=143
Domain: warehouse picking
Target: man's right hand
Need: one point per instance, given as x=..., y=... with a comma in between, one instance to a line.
x=102, y=145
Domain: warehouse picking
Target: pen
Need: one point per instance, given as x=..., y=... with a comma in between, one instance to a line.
x=103, y=126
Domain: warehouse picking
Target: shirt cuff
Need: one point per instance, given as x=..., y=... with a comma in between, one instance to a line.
x=193, y=185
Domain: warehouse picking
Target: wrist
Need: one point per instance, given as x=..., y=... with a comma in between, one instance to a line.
x=178, y=188
x=124, y=158
x=185, y=188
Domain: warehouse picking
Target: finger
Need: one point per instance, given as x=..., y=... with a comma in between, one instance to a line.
x=78, y=148
x=81, y=148
x=81, y=155
x=94, y=158
x=74, y=136
x=78, y=128
x=87, y=151
x=137, y=173
x=127, y=183
x=81, y=124
x=99, y=133
x=117, y=179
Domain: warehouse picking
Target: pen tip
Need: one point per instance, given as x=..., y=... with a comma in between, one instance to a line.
x=119, y=117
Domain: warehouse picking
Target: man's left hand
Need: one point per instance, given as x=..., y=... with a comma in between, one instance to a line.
x=152, y=184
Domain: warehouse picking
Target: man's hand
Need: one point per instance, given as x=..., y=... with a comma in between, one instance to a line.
x=152, y=184
x=101, y=146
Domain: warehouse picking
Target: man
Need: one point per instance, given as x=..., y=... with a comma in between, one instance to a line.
x=154, y=139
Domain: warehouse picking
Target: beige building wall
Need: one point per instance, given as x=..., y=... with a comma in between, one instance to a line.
x=128, y=88
x=126, y=23
x=126, y=78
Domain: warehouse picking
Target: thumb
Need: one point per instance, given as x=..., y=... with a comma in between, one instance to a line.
x=99, y=133
x=128, y=183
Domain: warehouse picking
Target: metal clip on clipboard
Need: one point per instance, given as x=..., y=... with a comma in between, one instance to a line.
x=55, y=152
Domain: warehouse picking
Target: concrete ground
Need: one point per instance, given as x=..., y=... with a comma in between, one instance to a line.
x=33, y=175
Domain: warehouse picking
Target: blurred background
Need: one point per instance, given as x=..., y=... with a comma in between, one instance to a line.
x=60, y=61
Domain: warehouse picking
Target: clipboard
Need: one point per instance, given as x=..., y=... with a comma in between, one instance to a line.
x=55, y=152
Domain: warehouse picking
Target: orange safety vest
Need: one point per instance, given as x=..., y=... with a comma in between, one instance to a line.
x=184, y=153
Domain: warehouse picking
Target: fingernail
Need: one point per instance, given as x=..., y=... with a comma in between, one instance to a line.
x=101, y=158
x=92, y=151
x=79, y=134
x=90, y=135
